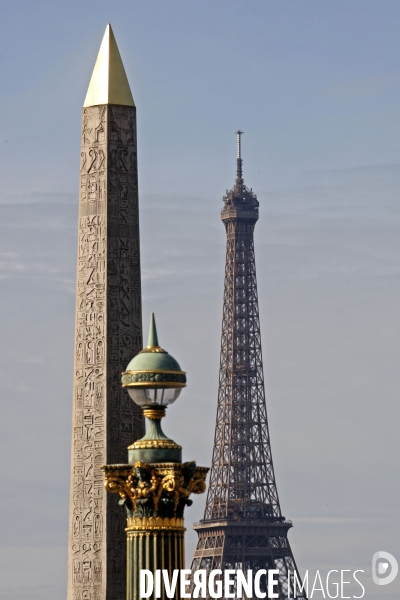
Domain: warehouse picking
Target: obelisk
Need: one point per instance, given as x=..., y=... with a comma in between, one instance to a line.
x=108, y=327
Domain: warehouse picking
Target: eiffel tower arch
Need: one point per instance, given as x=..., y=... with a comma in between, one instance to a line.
x=243, y=527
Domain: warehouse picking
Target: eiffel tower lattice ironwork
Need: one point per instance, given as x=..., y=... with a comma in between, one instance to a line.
x=243, y=527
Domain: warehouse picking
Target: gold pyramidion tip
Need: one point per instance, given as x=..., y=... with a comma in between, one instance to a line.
x=109, y=83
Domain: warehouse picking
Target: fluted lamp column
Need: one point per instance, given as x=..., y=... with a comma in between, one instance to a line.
x=155, y=486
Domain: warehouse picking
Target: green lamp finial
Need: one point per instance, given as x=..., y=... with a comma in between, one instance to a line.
x=153, y=339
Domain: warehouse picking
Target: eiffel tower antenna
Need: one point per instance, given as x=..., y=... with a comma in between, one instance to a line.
x=239, y=172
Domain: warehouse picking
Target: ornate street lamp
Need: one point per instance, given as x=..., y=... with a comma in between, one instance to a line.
x=154, y=380
x=155, y=486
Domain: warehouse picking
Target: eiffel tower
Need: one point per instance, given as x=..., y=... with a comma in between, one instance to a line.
x=243, y=527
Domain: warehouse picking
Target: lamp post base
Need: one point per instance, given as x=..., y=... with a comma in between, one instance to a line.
x=153, y=544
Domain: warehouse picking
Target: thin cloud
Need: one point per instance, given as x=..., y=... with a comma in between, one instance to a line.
x=39, y=198
x=364, y=87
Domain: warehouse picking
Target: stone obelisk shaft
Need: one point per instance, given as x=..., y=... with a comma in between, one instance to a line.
x=108, y=328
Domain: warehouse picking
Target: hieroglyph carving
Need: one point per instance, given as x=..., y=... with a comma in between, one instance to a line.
x=108, y=334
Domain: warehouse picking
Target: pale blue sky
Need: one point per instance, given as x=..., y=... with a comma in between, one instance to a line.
x=316, y=88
